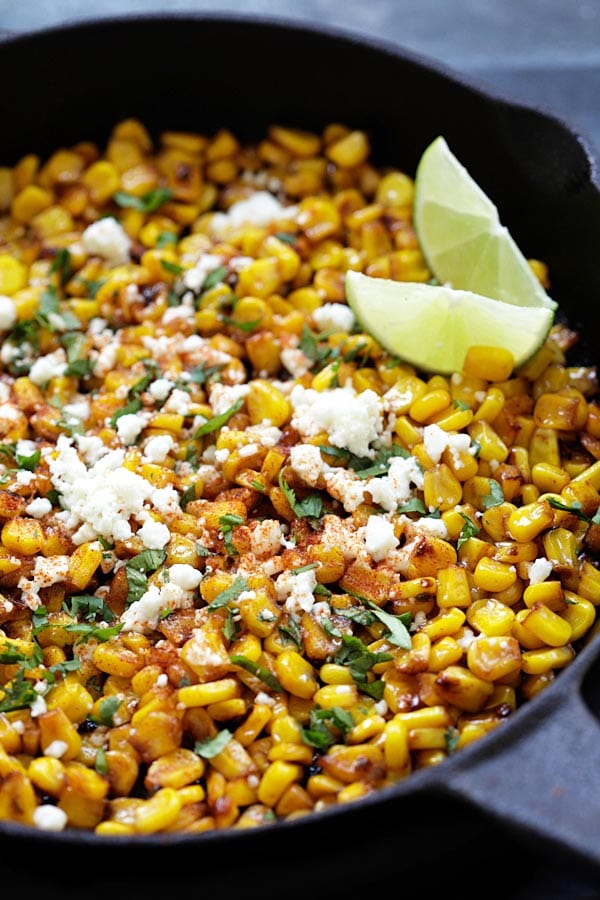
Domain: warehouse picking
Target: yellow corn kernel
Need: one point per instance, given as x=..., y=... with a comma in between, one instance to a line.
x=83, y=563
x=396, y=749
x=22, y=536
x=442, y=490
x=396, y=190
x=159, y=812
x=332, y=673
x=548, y=626
x=29, y=202
x=13, y=275
x=72, y=697
x=444, y=652
x=490, y=444
x=527, y=522
x=447, y=621
x=589, y=582
x=343, y=695
x=350, y=151
x=491, y=575
x=491, y=657
x=490, y=406
x=370, y=727
x=57, y=730
x=429, y=405
x=546, y=593
x=177, y=769
x=264, y=401
x=491, y=363
x=276, y=780
x=579, y=613
x=296, y=674
x=547, y=477
x=212, y=692
x=47, y=773
x=564, y=410
x=101, y=179
x=491, y=617
x=539, y=662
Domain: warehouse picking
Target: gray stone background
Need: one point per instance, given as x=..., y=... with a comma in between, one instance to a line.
x=542, y=52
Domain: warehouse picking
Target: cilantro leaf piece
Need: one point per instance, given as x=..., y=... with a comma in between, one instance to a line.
x=218, y=421
x=255, y=669
x=211, y=747
x=147, y=203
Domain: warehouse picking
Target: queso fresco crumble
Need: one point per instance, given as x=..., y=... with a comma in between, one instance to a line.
x=251, y=565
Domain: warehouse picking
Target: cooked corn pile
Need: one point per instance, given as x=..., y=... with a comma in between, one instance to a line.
x=251, y=566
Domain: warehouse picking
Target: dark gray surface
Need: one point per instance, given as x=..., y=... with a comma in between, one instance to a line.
x=541, y=52
x=544, y=53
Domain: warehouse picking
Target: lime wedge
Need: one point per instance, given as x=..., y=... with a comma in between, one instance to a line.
x=432, y=326
x=461, y=236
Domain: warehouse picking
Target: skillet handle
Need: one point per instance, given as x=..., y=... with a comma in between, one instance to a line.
x=544, y=785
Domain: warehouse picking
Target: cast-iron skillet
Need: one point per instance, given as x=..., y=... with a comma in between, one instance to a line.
x=537, y=777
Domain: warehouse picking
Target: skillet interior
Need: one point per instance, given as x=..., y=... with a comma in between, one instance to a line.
x=205, y=72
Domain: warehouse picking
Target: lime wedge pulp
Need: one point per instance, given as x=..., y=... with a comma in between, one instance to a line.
x=461, y=236
x=432, y=326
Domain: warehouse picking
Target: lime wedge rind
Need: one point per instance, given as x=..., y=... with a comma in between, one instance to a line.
x=449, y=207
x=432, y=326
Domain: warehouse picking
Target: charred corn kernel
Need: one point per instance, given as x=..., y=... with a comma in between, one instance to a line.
x=565, y=410
x=22, y=536
x=591, y=475
x=175, y=770
x=72, y=697
x=539, y=662
x=58, y=735
x=560, y=547
x=370, y=727
x=460, y=687
x=548, y=626
x=212, y=692
x=527, y=522
x=491, y=575
x=159, y=812
x=116, y=659
x=491, y=363
x=427, y=739
x=549, y=478
x=492, y=657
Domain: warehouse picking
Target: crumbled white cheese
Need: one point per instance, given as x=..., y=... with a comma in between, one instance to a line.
x=91, y=447
x=48, y=817
x=539, y=570
x=158, y=447
x=351, y=420
x=395, y=488
x=8, y=312
x=379, y=537
x=336, y=316
x=261, y=208
x=295, y=361
x=130, y=426
x=166, y=500
x=266, y=537
x=154, y=535
x=297, y=591
x=223, y=396
x=98, y=501
x=267, y=435
x=436, y=440
x=185, y=576
x=56, y=749
x=49, y=366
x=194, y=278
x=38, y=508
x=107, y=238
x=179, y=402
x=307, y=462
x=160, y=388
